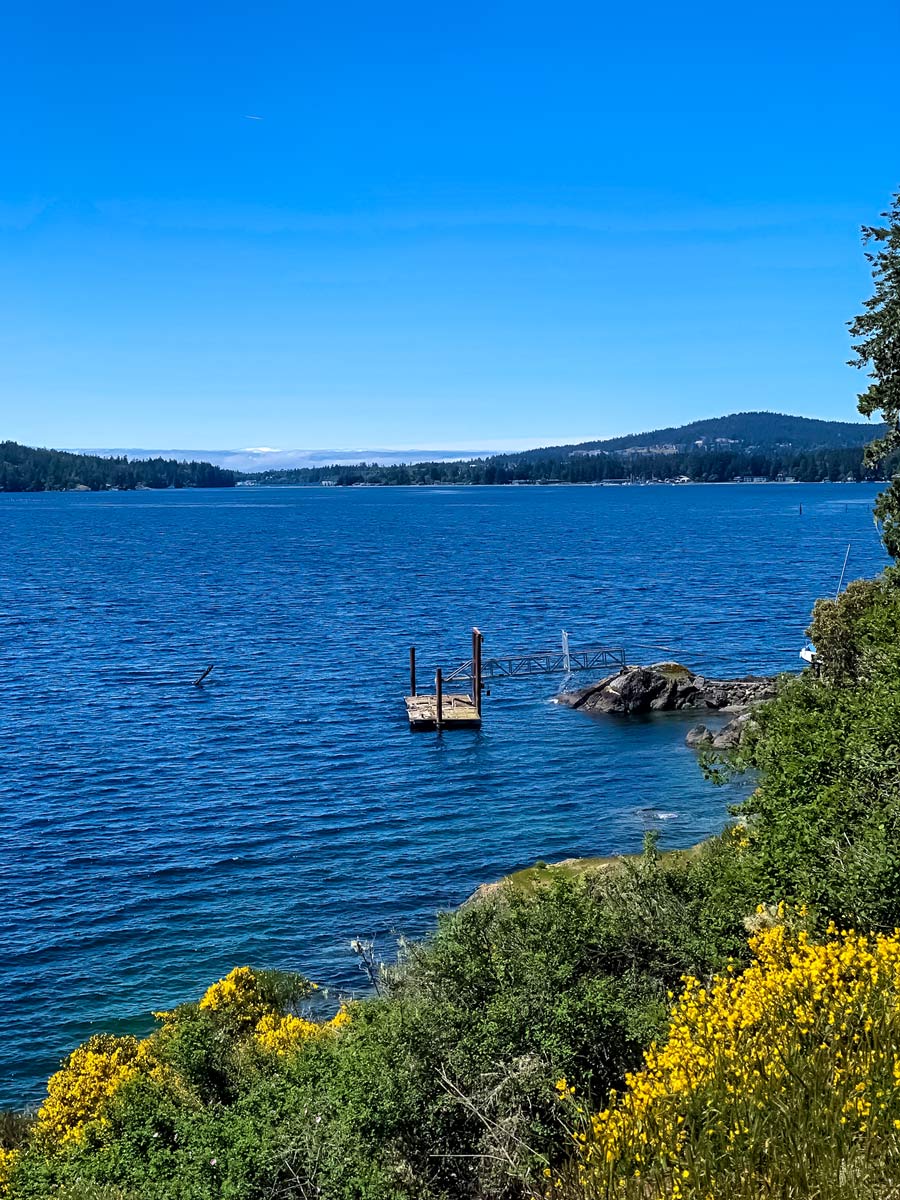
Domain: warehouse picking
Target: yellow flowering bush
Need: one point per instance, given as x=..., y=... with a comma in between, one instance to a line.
x=278, y=1034
x=340, y=1019
x=784, y=1067
x=245, y=997
x=80, y=1090
x=79, y=1093
x=239, y=995
x=7, y=1161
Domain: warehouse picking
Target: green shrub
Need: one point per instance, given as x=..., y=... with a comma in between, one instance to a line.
x=443, y=1087
x=824, y=823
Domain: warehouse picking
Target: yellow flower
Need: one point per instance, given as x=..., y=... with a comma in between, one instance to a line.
x=79, y=1092
x=340, y=1019
x=7, y=1162
x=238, y=995
x=276, y=1034
x=826, y=1012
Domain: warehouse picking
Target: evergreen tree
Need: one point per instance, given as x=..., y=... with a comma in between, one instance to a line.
x=878, y=348
x=26, y=469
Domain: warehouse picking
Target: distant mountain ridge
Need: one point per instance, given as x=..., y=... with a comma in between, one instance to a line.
x=739, y=447
x=761, y=430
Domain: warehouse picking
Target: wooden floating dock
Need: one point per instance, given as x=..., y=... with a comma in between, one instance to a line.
x=450, y=711
x=457, y=712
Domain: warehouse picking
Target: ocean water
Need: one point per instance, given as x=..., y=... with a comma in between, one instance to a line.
x=153, y=834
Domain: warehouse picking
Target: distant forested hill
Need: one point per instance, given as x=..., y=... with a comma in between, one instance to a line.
x=24, y=469
x=758, y=445
x=758, y=429
x=746, y=432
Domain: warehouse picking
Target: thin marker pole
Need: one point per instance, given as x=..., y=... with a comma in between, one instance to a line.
x=412, y=670
x=439, y=697
x=843, y=569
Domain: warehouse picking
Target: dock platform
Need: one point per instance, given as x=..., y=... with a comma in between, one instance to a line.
x=444, y=710
x=457, y=712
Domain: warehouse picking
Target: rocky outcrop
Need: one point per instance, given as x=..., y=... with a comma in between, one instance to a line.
x=730, y=737
x=727, y=738
x=669, y=687
x=699, y=738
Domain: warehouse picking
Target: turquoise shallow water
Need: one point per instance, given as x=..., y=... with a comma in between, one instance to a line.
x=153, y=835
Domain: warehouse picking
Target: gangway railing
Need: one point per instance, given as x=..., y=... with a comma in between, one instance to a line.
x=541, y=662
x=445, y=710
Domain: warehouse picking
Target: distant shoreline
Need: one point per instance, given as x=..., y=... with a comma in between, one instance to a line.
x=437, y=486
x=557, y=483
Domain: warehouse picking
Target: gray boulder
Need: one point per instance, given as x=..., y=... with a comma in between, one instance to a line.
x=664, y=687
x=686, y=693
x=729, y=737
x=666, y=698
x=698, y=737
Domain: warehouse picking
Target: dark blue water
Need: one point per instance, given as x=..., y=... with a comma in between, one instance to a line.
x=153, y=835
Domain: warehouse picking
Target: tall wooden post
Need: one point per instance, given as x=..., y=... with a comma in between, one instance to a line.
x=412, y=670
x=439, y=697
x=477, y=640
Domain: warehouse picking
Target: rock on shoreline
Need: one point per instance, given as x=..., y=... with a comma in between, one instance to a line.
x=727, y=738
x=669, y=687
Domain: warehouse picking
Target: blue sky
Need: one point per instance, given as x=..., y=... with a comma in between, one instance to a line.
x=461, y=226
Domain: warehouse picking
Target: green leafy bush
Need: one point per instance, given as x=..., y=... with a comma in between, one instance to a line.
x=824, y=824
x=443, y=1087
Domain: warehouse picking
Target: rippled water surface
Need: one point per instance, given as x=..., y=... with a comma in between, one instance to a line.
x=153, y=834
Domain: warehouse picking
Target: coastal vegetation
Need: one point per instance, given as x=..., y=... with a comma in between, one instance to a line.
x=877, y=351
x=24, y=469
x=755, y=445
x=745, y=446
x=444, y=1084
x=782, y=1079
x=701, y=1025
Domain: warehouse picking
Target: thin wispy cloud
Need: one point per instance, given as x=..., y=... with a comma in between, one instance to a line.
x=654, y=218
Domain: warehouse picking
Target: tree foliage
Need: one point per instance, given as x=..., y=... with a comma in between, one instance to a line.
x=718, y=450
x=877, y=330
x=24, y=469
x=823, y=826
x=710, y=465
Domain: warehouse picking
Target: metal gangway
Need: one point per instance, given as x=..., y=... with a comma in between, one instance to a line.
x=447, y=710
x=564, y=661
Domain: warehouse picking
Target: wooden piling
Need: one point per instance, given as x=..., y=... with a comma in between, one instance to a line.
x=477, y=640
x=445, y=710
